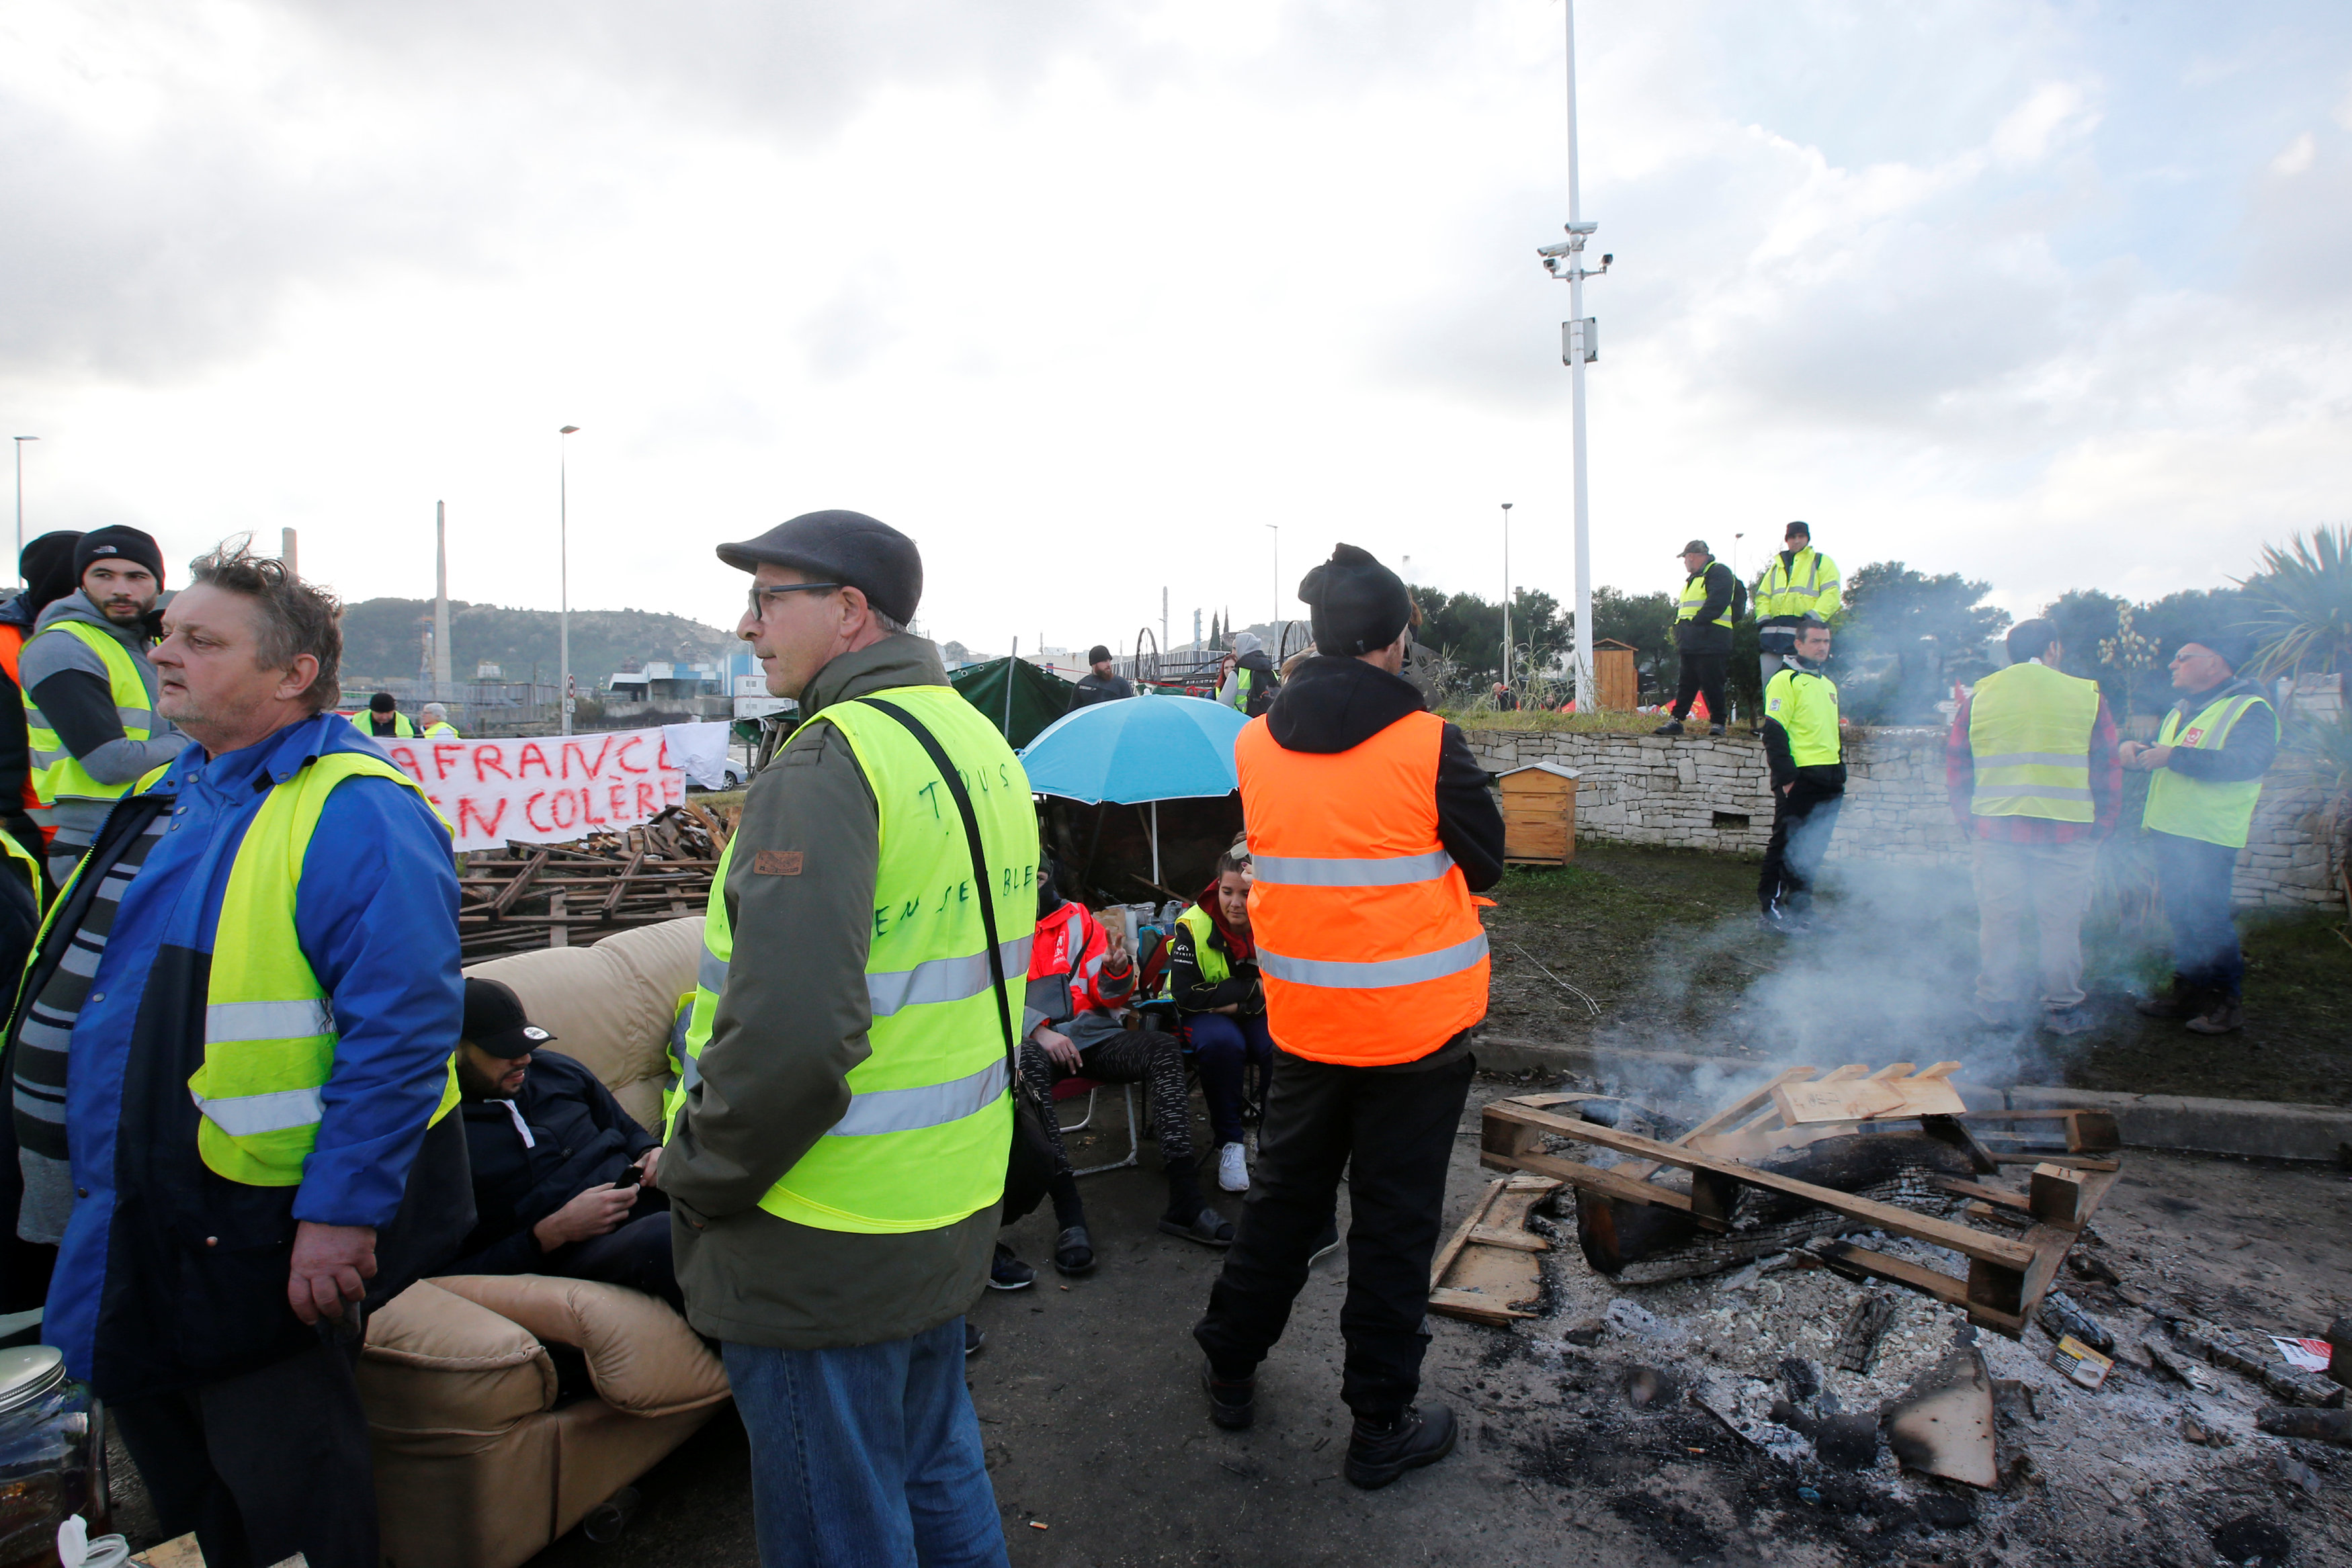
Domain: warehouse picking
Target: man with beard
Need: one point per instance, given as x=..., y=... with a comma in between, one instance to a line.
x=90, y=692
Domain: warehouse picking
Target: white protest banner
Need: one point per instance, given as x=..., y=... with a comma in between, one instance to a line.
x=545, y=789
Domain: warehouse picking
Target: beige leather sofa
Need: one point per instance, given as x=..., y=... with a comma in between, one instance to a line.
x=476, y=1466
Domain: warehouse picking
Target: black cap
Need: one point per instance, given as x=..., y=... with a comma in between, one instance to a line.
x=1355, y=604
x=383, y=702
x=47, y=565
x=1697, y=547
x=842, y=546
x=2233, y=648
x=1097, y=654
x=1798, y=527
x=496, y=1023
x=118, y=543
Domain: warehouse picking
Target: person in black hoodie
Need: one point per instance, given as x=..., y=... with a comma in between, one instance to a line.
x=1371, y=1072
x=1102, y=683
x=1251, y=683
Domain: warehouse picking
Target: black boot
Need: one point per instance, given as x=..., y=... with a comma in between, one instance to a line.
x=1379, y=1451
x=1232, y=1401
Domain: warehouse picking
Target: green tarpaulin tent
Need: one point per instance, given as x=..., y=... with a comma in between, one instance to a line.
x=1036, y=697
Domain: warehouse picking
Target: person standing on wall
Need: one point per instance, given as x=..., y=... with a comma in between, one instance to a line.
x=1369, y=827
x=2035, y=783
x=235, y=1119
x=1703, y=636
x=1798, y=581
x=2208, y=764
x=90, y=692
x=47, y=567
x=838, y=1152
x=1807, y=755
x=1102, y=683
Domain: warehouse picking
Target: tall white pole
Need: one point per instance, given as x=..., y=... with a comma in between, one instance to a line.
x=20, y=495
x=1507, y=594
x=1276, y=528
x=1585, y=694
x=440, y=601
x=563, y=570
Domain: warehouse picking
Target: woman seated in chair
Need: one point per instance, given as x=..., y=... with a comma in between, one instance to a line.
x=1213, y=975
x=1079, y=980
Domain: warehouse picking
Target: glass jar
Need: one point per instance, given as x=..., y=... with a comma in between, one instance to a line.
x=52, y=1455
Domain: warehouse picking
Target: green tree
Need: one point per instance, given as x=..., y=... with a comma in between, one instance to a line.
x=1644, y=623
x=1905, y=636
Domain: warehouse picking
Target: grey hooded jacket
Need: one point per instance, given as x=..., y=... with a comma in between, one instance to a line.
x=66, y=680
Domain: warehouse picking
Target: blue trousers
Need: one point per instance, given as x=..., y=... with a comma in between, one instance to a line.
x=1223, y=1048
x=2195, y=878
x=868, y=1457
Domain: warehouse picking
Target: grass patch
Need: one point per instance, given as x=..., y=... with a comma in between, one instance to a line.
x=1543, y=722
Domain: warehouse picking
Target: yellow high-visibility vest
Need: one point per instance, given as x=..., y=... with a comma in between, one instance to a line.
x=923, y=1143
x=1809, y=581
x=57, y=774
x=2030, y=729
x=1695, y=600
x=2218, y=813
x=1806, y=706
x=1215, y=968
x=401, y=729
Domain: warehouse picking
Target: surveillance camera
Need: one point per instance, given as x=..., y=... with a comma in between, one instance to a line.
x=1582, y=226
x=1606, y=258
x=1553, y=252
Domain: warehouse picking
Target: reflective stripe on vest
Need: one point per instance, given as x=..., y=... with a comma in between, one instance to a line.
x=1367, y=940
x=57, y=774
x=2218, y=813
x=269, y=1032
x=1778, y=592
x=922, y=1145
x=1215, y=967
x=1695, y=600
x=2029, y=732
x=1805, y=705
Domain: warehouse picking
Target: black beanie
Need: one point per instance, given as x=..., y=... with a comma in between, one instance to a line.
x=383, y=702
x=842, y=546
x=118, y=543
x=2236, y=650
x=1097, y=654
x=1355, y=604
x=47, y=565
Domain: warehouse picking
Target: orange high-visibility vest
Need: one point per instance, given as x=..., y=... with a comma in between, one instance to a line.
x=11, y=649
x=1368, y=942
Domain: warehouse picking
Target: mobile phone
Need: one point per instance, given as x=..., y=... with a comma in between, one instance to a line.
x=629, y=1177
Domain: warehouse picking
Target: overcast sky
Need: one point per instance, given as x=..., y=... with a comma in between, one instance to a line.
x=1082, y=294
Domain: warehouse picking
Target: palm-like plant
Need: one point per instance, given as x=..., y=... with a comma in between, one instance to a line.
x=2302, y=601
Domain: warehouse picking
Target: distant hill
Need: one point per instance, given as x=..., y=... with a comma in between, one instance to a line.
x=382, y=640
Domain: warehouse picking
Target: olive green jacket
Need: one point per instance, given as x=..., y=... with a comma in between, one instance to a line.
x=791, y=1024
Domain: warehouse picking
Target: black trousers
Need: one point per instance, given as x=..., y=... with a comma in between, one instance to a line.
x=1803, y=820
x=1397, y=1129
x=636, y=1254
x=1702, y=672
x=2195, y=878
x=264, y=1465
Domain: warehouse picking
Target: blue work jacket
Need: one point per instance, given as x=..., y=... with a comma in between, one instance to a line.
x=168, y=1274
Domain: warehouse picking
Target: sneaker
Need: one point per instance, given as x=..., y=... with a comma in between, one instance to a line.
x=1208, y=1227
x=1233, y=1405
x=1379, y=1451
x=1715, y=731
x=2067, y=1021
x=1778, y=922
x=1008, y=1272
x=1073, y=1252
x=2225, y=1015
x=1325, y=1244
x=1672, y=727
x=1233, y=1169
x=972, y=1339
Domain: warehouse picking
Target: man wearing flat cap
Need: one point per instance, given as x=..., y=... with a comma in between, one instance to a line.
x=2208, y=764
x=837, y=1150
x=1371, y=825
x=1702, y=637
x=1102, y=683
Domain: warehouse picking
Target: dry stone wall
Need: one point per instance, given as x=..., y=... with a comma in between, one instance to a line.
x=1713, y=794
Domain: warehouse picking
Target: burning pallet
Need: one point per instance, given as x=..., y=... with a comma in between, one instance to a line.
x=552, y=896
x=2011, y=1268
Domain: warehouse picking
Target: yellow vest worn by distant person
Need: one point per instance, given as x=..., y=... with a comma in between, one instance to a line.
x=2029, y=728
x=57, y=774
x=2218, y=813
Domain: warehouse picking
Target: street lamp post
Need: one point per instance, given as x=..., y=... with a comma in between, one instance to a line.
x=20, y=493
x=1276, y=529
x=564, y=568
x=1566, y=261
x=1507, y=594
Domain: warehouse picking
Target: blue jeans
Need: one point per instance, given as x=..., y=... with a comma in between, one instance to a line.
x=2195, y=879
x=868, y=1457
x=1223, y=1048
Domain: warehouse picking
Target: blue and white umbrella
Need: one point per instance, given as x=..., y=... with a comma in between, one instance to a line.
x=1137, y=750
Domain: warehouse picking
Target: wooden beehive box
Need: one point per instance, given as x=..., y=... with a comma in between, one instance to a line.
x=1539, y=814
x=1620, y=685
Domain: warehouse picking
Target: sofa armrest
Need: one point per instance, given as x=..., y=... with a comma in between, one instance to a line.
x=642, y=1357
x=435, y=1362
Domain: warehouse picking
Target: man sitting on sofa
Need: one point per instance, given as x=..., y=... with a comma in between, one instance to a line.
x=563, y=1175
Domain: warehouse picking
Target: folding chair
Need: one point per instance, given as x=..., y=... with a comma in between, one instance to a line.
x=1070, y=1089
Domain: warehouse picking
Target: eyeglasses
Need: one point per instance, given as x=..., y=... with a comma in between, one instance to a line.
x=759, y=610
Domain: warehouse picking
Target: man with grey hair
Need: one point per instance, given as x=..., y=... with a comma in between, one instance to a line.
x=232, y=1081
x=437, y=727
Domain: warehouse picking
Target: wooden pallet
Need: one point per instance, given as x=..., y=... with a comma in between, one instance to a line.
x=2008, y=1275
x=1488, y=1273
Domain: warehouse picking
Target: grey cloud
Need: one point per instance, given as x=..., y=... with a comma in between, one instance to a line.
x=2299, y=251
